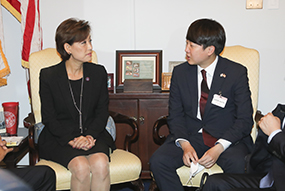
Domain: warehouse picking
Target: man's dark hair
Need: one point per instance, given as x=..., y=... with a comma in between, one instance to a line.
x=207, y=32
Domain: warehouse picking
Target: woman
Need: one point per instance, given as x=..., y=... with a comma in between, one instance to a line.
x=74, y=106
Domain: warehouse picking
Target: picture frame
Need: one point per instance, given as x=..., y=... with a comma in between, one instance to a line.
x=172, y=64
x=110, y=82
x=138, y=64
x=165, y=81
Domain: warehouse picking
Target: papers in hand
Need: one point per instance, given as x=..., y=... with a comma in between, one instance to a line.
x=194, y=169
x=13, y=141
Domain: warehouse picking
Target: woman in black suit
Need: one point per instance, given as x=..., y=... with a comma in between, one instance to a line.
x=74, y=106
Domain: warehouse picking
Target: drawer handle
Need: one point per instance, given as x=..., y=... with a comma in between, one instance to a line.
x=142, y=120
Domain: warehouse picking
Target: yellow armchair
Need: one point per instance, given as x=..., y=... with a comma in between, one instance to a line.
x=245, y=56
x=124, y=165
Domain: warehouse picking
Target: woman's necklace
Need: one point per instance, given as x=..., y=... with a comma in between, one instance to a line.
x=80, y=104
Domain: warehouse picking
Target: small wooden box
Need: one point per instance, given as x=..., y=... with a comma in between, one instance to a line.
x=138, y=85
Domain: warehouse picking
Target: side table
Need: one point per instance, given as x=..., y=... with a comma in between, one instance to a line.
x=12, y=158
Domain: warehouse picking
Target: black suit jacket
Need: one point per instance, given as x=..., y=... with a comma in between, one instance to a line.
x=270, y=156
x=233, y=122
x=261, y=157
x=59, y=115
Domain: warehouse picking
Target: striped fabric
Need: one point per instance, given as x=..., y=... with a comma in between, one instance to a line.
x=28, y=13
x=4, y=67
x=32, y=32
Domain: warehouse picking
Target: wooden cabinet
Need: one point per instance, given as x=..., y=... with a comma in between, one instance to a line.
x=146, y=108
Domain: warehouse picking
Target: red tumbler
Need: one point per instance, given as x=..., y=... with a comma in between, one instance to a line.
x=11, y=117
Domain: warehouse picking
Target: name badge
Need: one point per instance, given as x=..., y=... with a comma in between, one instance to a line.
x=219, y=100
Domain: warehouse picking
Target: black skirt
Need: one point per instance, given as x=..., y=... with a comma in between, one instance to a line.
x=64, y=154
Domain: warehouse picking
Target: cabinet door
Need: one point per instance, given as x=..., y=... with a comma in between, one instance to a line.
x=127, y=107
x=149, y=111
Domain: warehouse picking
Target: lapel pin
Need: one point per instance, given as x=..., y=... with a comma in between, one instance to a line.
x=87, y=79
x=222, y=75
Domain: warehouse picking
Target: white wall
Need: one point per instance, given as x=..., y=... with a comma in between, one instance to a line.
x=157, y=24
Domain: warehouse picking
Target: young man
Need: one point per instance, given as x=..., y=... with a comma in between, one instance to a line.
x=267, y=160
x=210, y=113
x=39, y=178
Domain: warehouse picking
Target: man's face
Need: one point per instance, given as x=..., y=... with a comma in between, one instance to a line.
x=196, y=55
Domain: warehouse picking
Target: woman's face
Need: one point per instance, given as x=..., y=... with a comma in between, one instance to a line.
x=81, y=51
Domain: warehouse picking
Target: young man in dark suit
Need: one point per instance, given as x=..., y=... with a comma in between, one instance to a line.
x=267, y=161
x=210, y=115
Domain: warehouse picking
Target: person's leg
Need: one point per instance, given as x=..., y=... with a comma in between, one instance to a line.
x=226, y=182
x=38, y=177
x=232, y=160
x=80, y=170
x=163, y=164
x=99, y=164
x=252, y=189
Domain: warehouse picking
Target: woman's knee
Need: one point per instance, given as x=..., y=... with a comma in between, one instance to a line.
x=79, y=167
x=99, y=164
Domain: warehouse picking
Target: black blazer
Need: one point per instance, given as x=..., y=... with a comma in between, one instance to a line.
x=233, y=122
x=266, y=157
x=59, y=115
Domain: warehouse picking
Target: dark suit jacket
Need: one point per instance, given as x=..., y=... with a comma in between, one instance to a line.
x=271, y=156
x=277, y=144
x=59, y=115
x=233, y=123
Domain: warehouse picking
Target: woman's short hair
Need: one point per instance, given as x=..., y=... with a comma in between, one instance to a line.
x=207, y=32
x=70, y=31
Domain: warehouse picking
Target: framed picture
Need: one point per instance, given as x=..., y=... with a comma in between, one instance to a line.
x=172, y=64
x=165, y=80
x=110, y=82
x=138, y=64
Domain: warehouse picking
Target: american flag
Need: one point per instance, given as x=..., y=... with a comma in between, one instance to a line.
x=28, y=13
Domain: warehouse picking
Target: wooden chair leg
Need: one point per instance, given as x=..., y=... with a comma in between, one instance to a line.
x=138, y=185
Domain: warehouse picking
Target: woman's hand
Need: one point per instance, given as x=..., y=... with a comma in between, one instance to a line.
x=91, y=141
x=84, y=143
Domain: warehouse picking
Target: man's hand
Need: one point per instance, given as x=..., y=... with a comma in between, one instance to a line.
x=189, y=153
x=269, y=123
x=2, y=142
x=211, y=156
x=3, y=149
